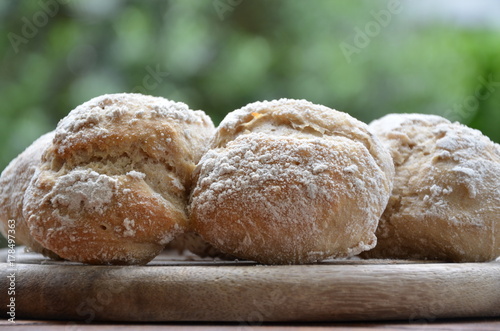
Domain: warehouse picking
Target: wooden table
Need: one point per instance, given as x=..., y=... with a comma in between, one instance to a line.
x=452, y=325
x=188, y=293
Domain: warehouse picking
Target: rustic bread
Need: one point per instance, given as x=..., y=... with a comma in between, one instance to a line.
x=445, y=203
x=113, y=186
x=288, y=181
x=14, y=181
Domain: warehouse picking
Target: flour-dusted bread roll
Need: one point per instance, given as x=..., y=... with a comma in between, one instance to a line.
x=113, y=186
x=446, y=199
x=13, y=183
x=288, y=181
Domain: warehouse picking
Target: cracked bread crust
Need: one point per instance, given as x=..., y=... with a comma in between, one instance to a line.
x=13, y=184
x=113, y=186
x=446, y=197
x=289, y=182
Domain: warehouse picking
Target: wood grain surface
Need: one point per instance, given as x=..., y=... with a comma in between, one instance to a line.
x=442, y=325
x=249, y=294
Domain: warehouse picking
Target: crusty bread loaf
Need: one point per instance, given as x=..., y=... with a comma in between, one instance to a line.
x=288, y=181
x=445, y=203
x=13, y=183
x=113, y=186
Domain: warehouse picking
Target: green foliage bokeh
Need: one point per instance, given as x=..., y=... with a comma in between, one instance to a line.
x=220, y=55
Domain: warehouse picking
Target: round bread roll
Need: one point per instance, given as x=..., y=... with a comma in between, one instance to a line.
x=113, y=186
x=289, y=182
x=13, y=183
x=445, y=203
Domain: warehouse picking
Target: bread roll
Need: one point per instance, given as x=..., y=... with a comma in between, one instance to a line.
x=445, y=204
x=13, y=183
x=113, y=186
x=288, y=181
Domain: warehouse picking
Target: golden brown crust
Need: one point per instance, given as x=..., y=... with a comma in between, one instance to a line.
x=113, y=186
x=301, y=116
x=13, y=184
x=445, y=203
x=288, y=181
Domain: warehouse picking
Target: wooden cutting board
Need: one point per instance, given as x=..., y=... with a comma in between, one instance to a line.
x=176, y=288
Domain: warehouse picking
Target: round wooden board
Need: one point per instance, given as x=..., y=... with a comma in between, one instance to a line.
x=176, y=288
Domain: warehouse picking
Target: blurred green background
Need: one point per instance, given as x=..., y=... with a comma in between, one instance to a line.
x=367, y=58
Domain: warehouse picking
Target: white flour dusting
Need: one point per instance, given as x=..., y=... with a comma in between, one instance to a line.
x=129, y=227
x=293, y=174
x=88, y=121
x=84, y=190
x=136, y=175
x=446, y=193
